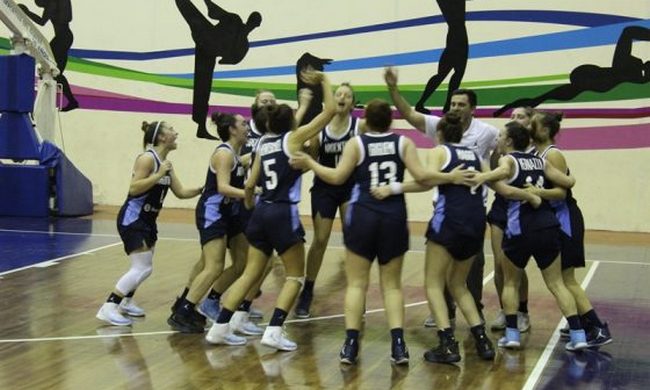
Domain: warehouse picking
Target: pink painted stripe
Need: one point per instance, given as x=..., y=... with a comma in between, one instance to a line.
x=585, y=138
x=582, y=138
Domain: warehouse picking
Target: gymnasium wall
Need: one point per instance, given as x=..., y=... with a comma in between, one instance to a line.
x=134, y=60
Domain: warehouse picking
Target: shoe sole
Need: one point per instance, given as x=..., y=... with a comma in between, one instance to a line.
x=510, y=345
x=596, y=345
x=579, y=347
x=302, y=316
x=279, y=348
x=132, y=314
x=347, y=361
x=102, y=318
x=446, y=361
x=400, y=361
x=224, y=342
x=182, y=327
x=248, y=333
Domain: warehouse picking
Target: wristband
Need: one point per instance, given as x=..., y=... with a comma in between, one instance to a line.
x=396, y=188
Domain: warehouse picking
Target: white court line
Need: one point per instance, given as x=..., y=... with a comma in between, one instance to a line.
x=486, y=280
x=534, y=376
x=45, y=263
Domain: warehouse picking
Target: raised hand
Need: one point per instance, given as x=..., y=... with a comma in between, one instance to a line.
x=390, y=76
x=311, y=76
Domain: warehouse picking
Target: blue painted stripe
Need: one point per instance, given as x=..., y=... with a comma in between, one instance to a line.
x=583, y=19
x=582, y=38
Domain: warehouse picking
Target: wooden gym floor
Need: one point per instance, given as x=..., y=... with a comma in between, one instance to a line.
x=55, y=273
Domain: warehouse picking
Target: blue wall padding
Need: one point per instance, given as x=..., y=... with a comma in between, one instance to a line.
x=17, y=83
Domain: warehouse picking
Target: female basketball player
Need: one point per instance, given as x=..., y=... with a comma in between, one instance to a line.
x=152, y=177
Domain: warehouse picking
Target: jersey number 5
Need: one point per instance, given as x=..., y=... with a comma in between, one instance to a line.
x=271, y=177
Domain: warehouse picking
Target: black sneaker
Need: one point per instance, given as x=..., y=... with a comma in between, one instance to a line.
x=446, y=352
x=598, y=336
x=349, y=351
x=484, y=347
x=304, y=303
x=184, y=323
x=564, y=333
x=399, y=354
x=174, y=307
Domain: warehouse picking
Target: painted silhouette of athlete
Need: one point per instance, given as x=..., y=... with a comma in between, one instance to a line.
x=310, y=62
x=625, y=68
x=453, y=57
x=227, y=39
x=59, y=13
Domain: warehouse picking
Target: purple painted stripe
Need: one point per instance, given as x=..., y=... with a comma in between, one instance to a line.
x=639, y=112
x=100, y=100
x=581, y=138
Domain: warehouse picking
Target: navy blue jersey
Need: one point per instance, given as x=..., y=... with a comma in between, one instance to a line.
x=253, y=137
x=380, y=164
x=459, y=207
x=522, y=217
x=280, y=183
x=211, y=202
x=330, y=150
x=146, y=206
x=563, y=208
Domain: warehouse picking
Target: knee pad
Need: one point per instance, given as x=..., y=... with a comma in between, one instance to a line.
x=299, y=279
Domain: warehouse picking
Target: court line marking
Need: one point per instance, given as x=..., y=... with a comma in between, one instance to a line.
x=535, y=375
x=486, y=280
x=49, y=262
x=419, y=251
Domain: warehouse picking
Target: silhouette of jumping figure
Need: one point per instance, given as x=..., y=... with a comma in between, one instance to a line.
x=227, y=39
x=309, y=62
x=59, y=13
x=453, y=57
x=625, y=68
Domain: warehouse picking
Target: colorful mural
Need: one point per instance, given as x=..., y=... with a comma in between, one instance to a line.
x=594, y=91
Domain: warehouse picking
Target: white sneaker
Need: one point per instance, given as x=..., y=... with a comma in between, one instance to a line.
x=499, y=322
x=429, y=322
x=109, y=313
x=222, y=334
x=275, y=337
x=523, y=322
x=241, y=324
x=129, y=307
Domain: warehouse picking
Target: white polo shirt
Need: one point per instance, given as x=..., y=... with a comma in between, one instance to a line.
x=481, y=137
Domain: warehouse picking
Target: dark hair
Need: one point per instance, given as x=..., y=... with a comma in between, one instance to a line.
x=519, y=135
x=280, y=118
x=551, y=121
x=151, y=130
x=260, y=118
x=471, y=95
x=378, y=115
x=451, y=127
x=223, y=122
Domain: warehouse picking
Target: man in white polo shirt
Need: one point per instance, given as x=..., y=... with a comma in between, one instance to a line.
x=478, y=135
